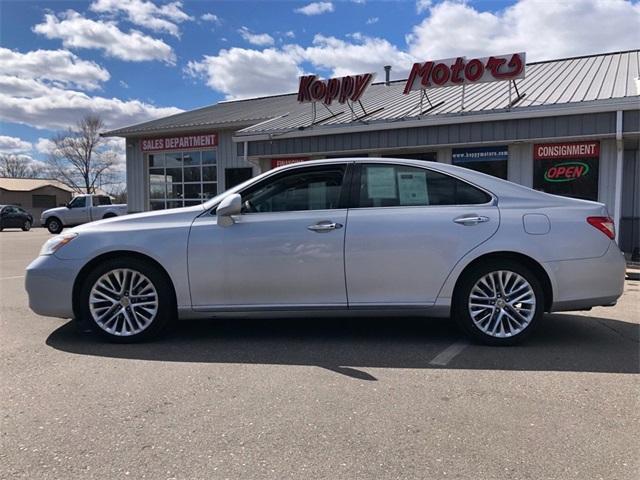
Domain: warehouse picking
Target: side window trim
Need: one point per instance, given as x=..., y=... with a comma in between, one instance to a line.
x=357, y=177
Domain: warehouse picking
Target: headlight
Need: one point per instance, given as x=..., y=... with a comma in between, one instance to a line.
x=54, y=244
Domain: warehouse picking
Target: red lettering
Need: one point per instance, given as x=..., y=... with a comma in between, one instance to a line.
x=579, y=170
x=440, y=74
x=515, y=65
x=423, y=71
x=318, y=90
x=456, y=69
x=362, y=81
x=333, y=88
x=346, y=89
x=303, y=89
x=474, y=70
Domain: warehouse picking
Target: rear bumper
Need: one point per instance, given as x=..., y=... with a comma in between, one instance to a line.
x=49, y=284
x=586, y=283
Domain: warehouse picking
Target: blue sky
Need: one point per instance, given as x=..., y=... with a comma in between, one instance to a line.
x=133, y=60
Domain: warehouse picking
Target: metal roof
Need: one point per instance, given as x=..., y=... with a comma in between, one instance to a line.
x=571, y=81
x=29, y=184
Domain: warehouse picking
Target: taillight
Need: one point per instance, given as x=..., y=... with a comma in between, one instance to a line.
x=604, y=224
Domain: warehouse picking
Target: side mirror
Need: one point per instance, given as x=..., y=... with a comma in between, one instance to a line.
x=68, y=205
x=230, y=205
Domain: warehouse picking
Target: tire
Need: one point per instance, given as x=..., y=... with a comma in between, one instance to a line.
x=26, y=226
x=504, y=316
x=54, y=225
x=109, y=215
x=114, y=312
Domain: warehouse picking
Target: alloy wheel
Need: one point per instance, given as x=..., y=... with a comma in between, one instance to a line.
x=123, y=302
x=502, y=304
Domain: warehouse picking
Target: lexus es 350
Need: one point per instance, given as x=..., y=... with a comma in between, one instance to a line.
x=339, y=237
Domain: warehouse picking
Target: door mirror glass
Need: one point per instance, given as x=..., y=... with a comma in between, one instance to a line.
x=230, y=205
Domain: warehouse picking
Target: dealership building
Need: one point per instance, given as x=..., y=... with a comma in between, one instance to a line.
x=569, y=126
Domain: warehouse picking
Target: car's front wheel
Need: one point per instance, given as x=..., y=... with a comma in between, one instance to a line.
x=499, y=302
x=127, y=299
x=54, y=225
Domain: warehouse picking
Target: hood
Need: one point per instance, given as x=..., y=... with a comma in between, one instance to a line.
x=54, y=210
x=136, y=221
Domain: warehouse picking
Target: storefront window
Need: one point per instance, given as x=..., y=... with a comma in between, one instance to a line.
x=568, y=169
x=490, y=160
x=178, y=179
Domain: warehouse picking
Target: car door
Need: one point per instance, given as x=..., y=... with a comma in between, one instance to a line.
x=9, y=217
x=78, y=211
x=409, y=228
x=285, y=250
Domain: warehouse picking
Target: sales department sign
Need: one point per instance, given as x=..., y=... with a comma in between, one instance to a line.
x=184, y=142
x=569, y=169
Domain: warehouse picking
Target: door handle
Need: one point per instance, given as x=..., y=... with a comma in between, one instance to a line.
x=471, y=220
x=325, y=226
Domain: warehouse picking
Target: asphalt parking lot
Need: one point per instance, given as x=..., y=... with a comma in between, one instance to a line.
x=309, y=399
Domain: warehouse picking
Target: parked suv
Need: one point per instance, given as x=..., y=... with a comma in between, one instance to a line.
x=82, y=209
x=15, y=217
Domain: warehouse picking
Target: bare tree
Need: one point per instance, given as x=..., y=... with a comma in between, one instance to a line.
x=18, y=166
x=79, y=158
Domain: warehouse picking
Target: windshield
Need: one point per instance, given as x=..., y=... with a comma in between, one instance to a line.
x=78, y=202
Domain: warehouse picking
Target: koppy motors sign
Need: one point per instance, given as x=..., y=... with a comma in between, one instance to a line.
x=347, y=88
x=461, y=71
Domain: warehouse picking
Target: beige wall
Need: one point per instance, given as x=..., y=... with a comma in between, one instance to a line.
x=24, y=199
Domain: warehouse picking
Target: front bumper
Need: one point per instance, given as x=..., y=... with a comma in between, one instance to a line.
x=588, y=282
x=49, y=284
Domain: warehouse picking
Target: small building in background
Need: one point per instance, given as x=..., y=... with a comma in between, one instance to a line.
x=34, y=194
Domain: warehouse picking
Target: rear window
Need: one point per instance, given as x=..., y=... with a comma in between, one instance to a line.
x=102, y=200
x=386, y=185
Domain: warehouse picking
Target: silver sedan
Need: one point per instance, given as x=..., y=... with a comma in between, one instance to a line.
x=339, y=237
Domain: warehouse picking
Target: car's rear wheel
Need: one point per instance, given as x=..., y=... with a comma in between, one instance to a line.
x=54, y=225
x=499, y=302
x=127, y=299
x=26, y=226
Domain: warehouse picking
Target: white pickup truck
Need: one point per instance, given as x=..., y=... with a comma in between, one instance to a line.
x=81, y=209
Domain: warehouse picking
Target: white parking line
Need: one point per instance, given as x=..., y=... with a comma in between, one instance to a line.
x=449, y=353
x=11, y=278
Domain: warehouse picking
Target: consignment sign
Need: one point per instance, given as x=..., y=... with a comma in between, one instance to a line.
x=568, y=169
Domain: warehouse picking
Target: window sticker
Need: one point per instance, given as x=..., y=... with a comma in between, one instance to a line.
x=413, y=188
x=381, y=182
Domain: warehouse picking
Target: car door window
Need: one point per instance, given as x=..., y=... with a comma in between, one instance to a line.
x=78, y=202
x=386, y=185
x=308, y=188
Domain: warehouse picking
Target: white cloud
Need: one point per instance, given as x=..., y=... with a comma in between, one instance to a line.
x=33, y=103
x=53, y=65
x=211, y=17
x=14, y=145
x=369, y=55
x=372, y=20
x=315, y=8
x=545, y=30
x=260, y=39
x=76, y=31
x=423, y=5
x=245, y=73
x=146, y=14
x=290, y=34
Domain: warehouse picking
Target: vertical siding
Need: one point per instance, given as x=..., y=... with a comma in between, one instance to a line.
x=230, y=155
x=520, y=167
x=137, y=189
x=607, y=173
